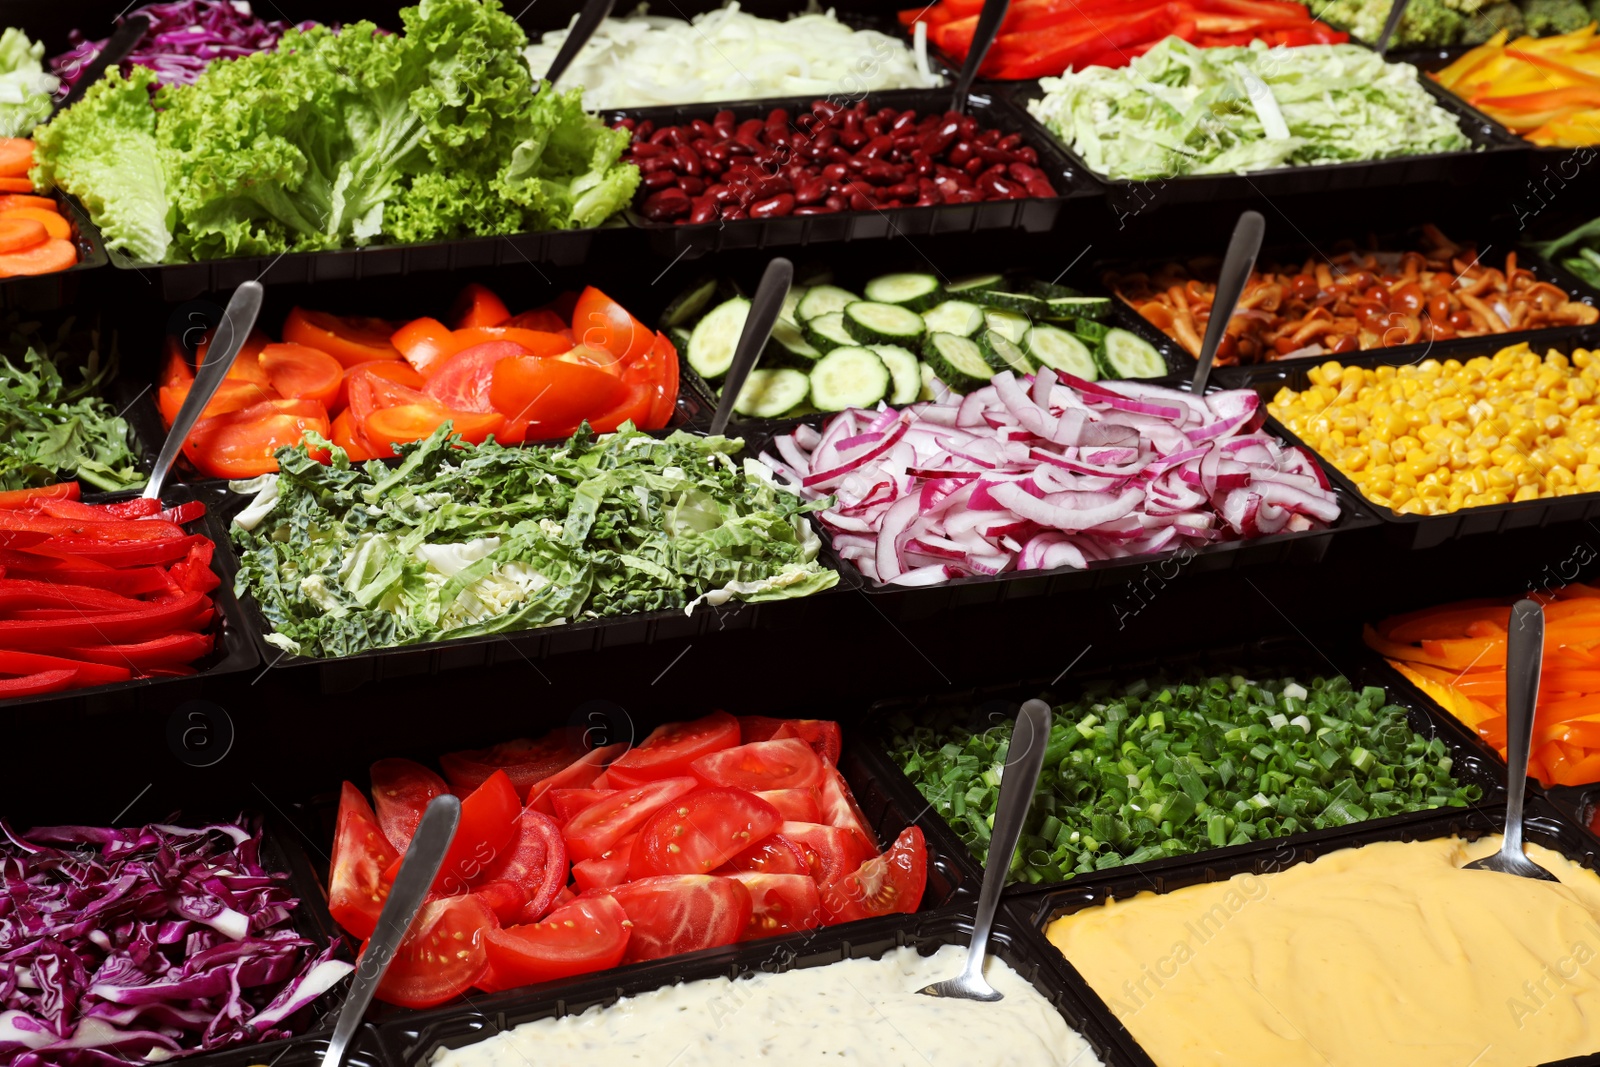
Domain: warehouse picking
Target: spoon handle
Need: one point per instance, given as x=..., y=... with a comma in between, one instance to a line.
x=1524, y=659
x=1241, y=260
x=989, y=21
x=237, y=321
x=764, y=308
x=121, y=42
x=589, y=19
x=418, y=869
x=1018, y=780
x=1390, y=25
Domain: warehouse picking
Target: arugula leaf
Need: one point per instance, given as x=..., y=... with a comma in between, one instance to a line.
x=458, y=541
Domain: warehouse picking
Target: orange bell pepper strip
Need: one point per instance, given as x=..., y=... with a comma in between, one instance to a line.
x=1468, y=652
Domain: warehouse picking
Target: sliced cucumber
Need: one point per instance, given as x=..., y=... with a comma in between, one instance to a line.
x=872, y=323
x=1130, y=356
x=958, y=361
x=1092, y=332
x=1056, y=348
x=849, y=377
x=821, y=300
x=976, y=283
x=954, y=316
x=715, y=336
x=789, y=347
x=828, y=331
x=905, y=370
x=1077, y=307
x=679, y=338
x=689, y=303
x=915, y=291
x=1007, y=324
x=928, y=379
x=771, y=392
x=1051, y=290
x=1003, y=354
x=1031, y=306
x=791, y=300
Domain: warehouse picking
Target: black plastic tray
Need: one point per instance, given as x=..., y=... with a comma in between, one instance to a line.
x=1131, y=320
x=412, y=1041
x=1304, y=548
x=1472, y=764
x=1426, y=531
x=1543, y=824
x=185, y=281
x=49, y=292
x=1033, y=215
x=1495, y=154
x=233, y=651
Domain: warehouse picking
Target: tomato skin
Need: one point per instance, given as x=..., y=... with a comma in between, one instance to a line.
x=700, y=831
x=401, y=790
x=524, y=760
x=605, y=871
x=348, y=339
x=404, y=423
x=535, y=342
x=593, y=831
x=587, y=935
x=244, y=443
x=303, y=373
x=775, y=854
x=568, y=802
x=795, y=805
x=463, y=380
x=583, y=771
x=506, y=899
x=361, y=852
x=834, y=852
x=535, y=860
x=601, y=322
x=823, y=735
x=839, y=806
x=657, y=368
x=478, y=306
x=782, y=763
x=682, y=913
x=549, y=393
x=230, y=396
x=884, y=885
x=489, y=818
x=424, y=343
x=442, y=955
x=669, y=750
x=542, y=319
x=348, y=436
x=634, y=408
x=780, y=904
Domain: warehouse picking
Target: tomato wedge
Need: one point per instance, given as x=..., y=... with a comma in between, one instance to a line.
x=669, y=750
x=581, y=772
x=463, y=381
x=443, y=954
x=230, y=396
x=785, y=763
x=658, y=369
x=424, y=343
x=535, y=860
x=780, y=904
x=606, y=870
x=504, y=898
x=634, y=408
x=587, y=935
x=551, y=393
x=839, y=806
x=776, y=854
x=884, y=885
x=348, y=436
x=821, y=734
x=526, y=762
x=699, y=832
x=682, y=913
x=478, y=306
x=356, y=889
x=542, y=319
x=245, y=443
x=537, y=342
x=795, y=805
x=413, y=422
x=601, y=322
x=348, y=339
x=302, y=373
x=246, y=365
x=568, y=802
x=832, y=852
x=489, y=818
x=401, y=789
x=594, y=830
x=175, y=364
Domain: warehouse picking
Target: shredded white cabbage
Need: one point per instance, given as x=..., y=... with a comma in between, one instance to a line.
x=646, y=60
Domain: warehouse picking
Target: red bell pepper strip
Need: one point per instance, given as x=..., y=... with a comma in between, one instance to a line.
x=43, y=682
x=129, y=581
x=20, y=593
x=151, y=620
x=98, y=528
x=124, y=554
x=136, y=508
x=183, y=514
x=88, y=673
x=172, y=650
x=17, y=539
x=171, y=672
x=17, y=498
x=193, y=573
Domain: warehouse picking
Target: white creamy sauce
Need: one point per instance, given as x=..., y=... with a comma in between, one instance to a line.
x=865, y=1012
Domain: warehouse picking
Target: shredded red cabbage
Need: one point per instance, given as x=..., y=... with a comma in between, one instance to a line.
x=146, y=943
x=184, y=36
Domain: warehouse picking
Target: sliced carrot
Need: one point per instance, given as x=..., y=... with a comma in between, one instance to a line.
x=17, y=235
x=16, y=185
x=53, y=223
x=46, y=258
x=43, y=203
x=16, y=157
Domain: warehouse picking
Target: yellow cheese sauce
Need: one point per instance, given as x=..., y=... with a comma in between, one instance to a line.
x=1384, y=954
x=856, y=1012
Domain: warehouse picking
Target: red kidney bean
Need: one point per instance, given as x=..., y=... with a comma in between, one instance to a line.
x=872, y=127
x=777, y=206
x=703, y=209
x=880, y=173
x=692, y=185
x=626, y=124
x=960, y=152
x=975, y=166
x=935, y=142
x=840, y=154
x=989, y=137
x=661, y=135
x=995, y=155
x=644, y=130
x=835, y=202
x=969, y=127
x=905, y=142
x=646, y=150
x=1001, y=189
x=902, y=191
x=1027, y=155
x=688, y=160
x=875, y=148
x=1039, y=185
x=825, y=109
x=722, y=194
x=813, y=209
x=665, y=204
x=810, y=190
x=655, y=163
x=658, y=179
x=906, y=120
x=835, y=172
x=1020, y=172
x=734, y=213
x=702, y=128
x=860, y=203
x=1009, y=142
x=852, y=139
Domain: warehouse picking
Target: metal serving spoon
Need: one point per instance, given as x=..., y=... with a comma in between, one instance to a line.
x=1390, y=25
x=989, y=21
x=589, y=19
x=1243, y=248
x=417, y=871
x=764, y=308
x=1024, y=761
x=1524, y=657
x=237, y=322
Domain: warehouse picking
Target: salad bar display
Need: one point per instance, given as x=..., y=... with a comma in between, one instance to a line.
x=452, y=615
